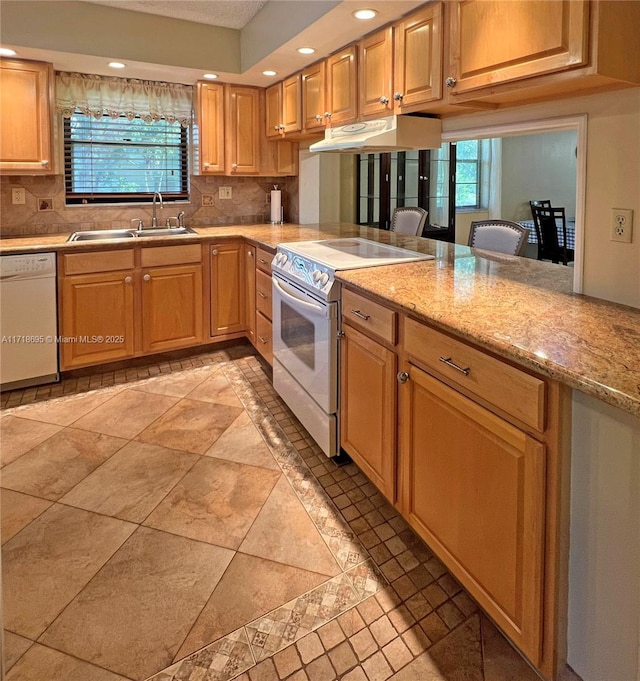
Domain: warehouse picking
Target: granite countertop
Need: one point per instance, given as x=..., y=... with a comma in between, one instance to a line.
x=518, y=308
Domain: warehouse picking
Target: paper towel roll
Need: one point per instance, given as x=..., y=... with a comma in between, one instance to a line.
x=276, y=205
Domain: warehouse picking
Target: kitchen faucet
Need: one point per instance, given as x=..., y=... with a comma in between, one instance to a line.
x=154, y=219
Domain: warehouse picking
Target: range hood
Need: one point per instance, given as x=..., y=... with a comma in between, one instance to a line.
x=393, y=133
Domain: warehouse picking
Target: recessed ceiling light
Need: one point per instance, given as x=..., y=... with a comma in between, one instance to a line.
x=365, y=13
x=210, y=76
x=306, y=50
x=116, y=65
x=269, y=73
x=6, y=52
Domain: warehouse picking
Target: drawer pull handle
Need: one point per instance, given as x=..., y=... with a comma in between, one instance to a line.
x=263, y=340
x=403, y=376
x=263, y=261
x=261, y=294
x=453, y=365
x=359, y=314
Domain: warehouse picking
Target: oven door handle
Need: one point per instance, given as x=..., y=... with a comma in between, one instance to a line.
x=280, y=285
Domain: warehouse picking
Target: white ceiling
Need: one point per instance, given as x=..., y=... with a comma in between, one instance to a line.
x=333, y=28
x=227, y=13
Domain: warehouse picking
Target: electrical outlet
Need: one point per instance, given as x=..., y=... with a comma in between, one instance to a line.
x=621, y=224
x=224, y=192
x=18, y=195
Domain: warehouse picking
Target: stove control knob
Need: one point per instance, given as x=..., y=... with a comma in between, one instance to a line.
x=323, y=278
x=317, y=274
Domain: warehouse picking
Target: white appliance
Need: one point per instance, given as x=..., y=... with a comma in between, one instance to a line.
x=306, y=325
x=28, y=320
x=392, y=133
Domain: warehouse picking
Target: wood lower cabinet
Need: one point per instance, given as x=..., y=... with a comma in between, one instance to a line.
x=227, y=268
x=474, y=490
x=250, y=291
x=171, y=307
x=368, y=408
x=97, y=318
x=264, y=308
x=26, y=123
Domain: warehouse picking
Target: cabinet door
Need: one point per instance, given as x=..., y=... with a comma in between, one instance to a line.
x=250, y=290
x=25, y=117
x=227, y=288
x=494, y=42
x=368, y=408
x=418, y=59
x=313, y=97
x=211, y=128
x=474, y=489
x=94, y=307
x=171, y=307
x=375, y=73
x=273, y=110
x=342, y=86
x=292, y=104
x=243, y=118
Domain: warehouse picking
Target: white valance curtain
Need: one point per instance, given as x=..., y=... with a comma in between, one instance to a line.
x=99, y=96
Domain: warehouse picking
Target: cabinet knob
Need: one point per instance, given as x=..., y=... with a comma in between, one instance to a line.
x=250, y=254
x=398, y=96
x=147, y=277
x=128, y=280
x=206, y=165
x=403, y=376
x=450, y=82
x=234, y=166
x=44, y=164
x=384, y=100
x=318, y=117
x=281, y=128
x=276, y=128
x=327, y=114
x=214, y=251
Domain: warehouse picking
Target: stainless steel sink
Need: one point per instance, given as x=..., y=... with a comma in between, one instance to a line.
x=164, y=231
x=102, y=234
x=111, y=234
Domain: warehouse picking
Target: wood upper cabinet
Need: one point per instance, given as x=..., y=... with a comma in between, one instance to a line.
x=211, y=123
x=243, y=130
x=367, y=424
x=494, y=42
x=277, y=156
x=418, y=42
x=292, y=104
x=171, y=307
x=314, y=97
x=342, y=86
x=26, y=123
x=474, y=489
x=227, y=267
x=376, y=74
x=273, y=118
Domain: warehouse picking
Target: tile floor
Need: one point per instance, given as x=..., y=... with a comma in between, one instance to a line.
x=175, y=521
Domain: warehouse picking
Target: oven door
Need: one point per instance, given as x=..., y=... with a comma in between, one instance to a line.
x=305, y=341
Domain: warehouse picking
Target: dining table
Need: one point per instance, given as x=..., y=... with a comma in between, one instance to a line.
x=571, y=232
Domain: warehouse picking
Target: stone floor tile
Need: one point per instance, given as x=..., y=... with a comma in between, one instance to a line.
x=310, y=647
x=300, y=675
x=421, y=669
x=287, y=661
x=418, y=606
x=383, y=631
x=417, y=641
x=364, y=644
x=458, y=655
x=351, y=622
x=388, y=599
x=20, y=435
x=501, y=661
x=320, y=669
x=264, y=671
x=397, y=654
x=377, y=668
x=356, y=674
x=435, y=595
x=331, y=634
x=401, y=618
x=17, y=511
x=342, y=658
x=434, y=627
x=14, y=648
x=450, y=615
x=370, y=610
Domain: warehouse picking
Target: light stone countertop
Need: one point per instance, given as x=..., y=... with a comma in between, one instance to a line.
x=518, y=308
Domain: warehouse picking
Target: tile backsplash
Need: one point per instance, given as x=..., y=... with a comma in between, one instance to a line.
x=44, y=210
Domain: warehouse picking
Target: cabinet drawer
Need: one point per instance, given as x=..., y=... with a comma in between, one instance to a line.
x=98, y=261
x=263, y=260
x=512, y=391
x=264, y=337
x=170, y=255
x=263, y=293
x=371, y=317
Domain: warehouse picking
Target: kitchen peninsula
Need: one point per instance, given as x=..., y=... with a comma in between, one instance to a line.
x=512, y=309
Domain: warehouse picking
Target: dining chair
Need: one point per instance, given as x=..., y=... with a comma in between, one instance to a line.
x=409, y=220
x=502, y=236
x=551, y=229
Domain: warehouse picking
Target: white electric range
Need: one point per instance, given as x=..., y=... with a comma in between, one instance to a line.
x=306, y=325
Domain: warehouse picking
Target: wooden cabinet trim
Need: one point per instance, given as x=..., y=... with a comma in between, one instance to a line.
x=170, y=255
x=98, y=261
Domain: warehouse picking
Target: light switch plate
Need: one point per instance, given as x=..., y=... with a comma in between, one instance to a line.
x=225, y=192
x=18, y=195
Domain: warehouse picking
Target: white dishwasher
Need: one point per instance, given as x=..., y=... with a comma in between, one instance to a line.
x=28, y=320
